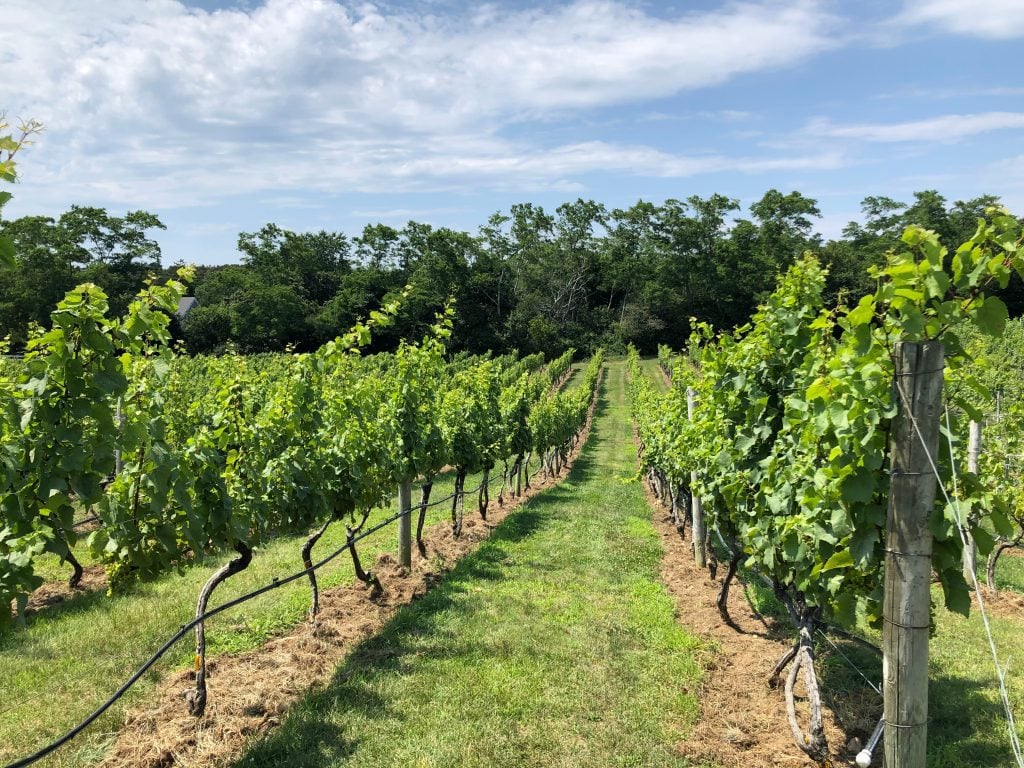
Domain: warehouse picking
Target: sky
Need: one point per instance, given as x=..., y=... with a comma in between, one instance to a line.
x=220, y=117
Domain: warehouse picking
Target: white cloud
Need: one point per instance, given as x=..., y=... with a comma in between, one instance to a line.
x=992, y=19
x=1009, y=172
x=421, y=164
x=955, y=92
x=943, y=129
x=404, y=214
x=158, y=104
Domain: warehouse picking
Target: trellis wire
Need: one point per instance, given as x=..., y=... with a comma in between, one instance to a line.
x=954, y=504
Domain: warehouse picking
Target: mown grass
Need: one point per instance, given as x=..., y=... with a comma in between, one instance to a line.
x=72, y=656
x=653, y=370
x=1009, y=571
x=553, y=645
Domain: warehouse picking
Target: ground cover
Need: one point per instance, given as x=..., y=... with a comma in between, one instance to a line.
x=74, y=653
x=555, y=644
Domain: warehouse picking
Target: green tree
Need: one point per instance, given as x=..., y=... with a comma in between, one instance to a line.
x=117, y=252
x=314, y=262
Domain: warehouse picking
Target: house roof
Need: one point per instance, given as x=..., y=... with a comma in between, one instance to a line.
x=186, y=304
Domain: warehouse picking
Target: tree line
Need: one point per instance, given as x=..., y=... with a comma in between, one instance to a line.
x=532, y=280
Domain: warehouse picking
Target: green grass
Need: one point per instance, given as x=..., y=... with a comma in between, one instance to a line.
x=967, y=727
x=71, y=657
x=553, y=645
x=1009, y=571
x=654, y=373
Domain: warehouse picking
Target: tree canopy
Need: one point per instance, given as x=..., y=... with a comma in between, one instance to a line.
x=530, y=279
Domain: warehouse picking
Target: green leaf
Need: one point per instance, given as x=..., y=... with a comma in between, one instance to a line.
x=859, y=487
x=992, y=315
x=862, y=543
x=1001, y=523
x=863, y=312
x=984, y=540
x=958, y=596
x=841, y=559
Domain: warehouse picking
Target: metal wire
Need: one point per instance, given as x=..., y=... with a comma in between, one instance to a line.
x=852, y=666
x=183, y=631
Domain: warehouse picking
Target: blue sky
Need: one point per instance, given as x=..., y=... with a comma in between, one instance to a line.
x=316, y=114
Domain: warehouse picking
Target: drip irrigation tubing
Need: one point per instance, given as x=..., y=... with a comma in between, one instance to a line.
x=186, y=628
x=182, y=632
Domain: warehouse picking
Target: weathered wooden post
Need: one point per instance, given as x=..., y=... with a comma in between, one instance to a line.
x=697, y=530
x=915, y=435
x=118, y=458
x=970, y=548
x=405, y=524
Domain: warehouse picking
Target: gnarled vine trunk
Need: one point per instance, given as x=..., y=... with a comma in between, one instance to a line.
x=424, y=499
x=307, y=561
x=196, y=698
x=367, y=577
x=723, y=596
x=75, y=579
x=457, y=502
x=993, y=558
x=813, y=741
x=484, y=499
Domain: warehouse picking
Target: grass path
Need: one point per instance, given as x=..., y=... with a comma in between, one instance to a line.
x=652, y=368
x=553, y=645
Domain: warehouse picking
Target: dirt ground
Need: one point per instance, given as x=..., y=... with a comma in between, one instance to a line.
x=56, y=592
x=743, y=721
x=1005, y=602
x=250, y=693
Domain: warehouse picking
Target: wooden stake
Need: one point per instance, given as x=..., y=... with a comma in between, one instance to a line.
x=697, y=531
x=971, y=549
x=405, y=524
x=118, y=458
x=918, y=396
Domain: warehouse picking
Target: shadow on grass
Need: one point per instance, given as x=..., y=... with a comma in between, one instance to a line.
x=78, y=602
x=310, y=737
x=966, y=724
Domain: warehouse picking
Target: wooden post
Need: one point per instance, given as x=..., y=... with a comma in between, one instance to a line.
x=697, y=529
x=917, y=392
x=118, y=458
x=970, y=548
x=405, y=524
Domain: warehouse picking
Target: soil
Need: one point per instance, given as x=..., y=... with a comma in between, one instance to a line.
x=250, y=693
x=56, y=592
x=743, y=721
x=1006, y=603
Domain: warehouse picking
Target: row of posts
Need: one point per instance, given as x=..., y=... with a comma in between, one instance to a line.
x=906, y=612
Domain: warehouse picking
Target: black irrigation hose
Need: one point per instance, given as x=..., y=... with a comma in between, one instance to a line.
x=184, y=630
x=452, y=496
